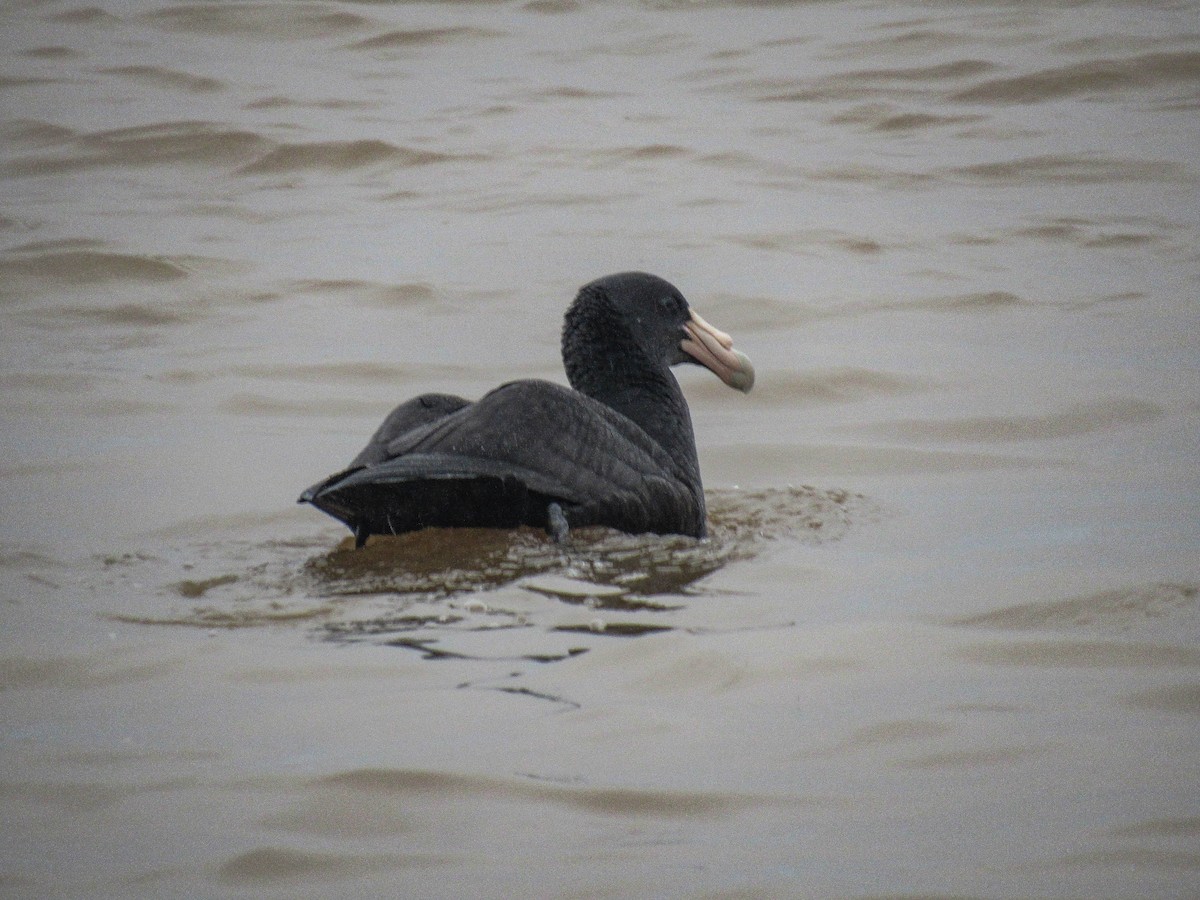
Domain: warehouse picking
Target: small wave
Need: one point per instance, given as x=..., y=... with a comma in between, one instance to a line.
x=865, y=83
x=1099, y=235
x=983, y=300
x=756, y=313
x=15, y=557
x=647, y=45
x=1083, y=654
x=1076, y=420
x=1108, y=611
x=1063, y=169
x=325, y=373
x=839, y=385
x=136, y=315
x=341, y=155
x=36, y=132
x=270, y=865
x=423, y=37
x=566, y=92
x=842, y=460
x=232, y=617
x=167, y=79
x=19, y=81
x=812, y=241
x=666, y=804
x=969, y=759
x=79, y=671
x=915, y=40
x=959, y=68
x=256, y=20
x=85, y=15
x=55, y=52
x=362, y=373
x=1142, y=859
x=895, y=179
x=1182, y=827
x=505, y=201
x=1178, y=698
x=253, y=404
x=1091, y=77
x=370, y=292
x=915, y=121
x=183, y=141
x=58, y=245
x=160, y=144
x=91, y=266
x=885, y=118
x=553, y=7
x=275, y=101
x=643, y=153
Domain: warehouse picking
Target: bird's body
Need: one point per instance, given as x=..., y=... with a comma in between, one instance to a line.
x=615, y=449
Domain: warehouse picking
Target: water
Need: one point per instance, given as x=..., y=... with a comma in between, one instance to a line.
x=943, y=640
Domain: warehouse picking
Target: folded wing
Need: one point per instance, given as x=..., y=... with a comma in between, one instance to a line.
x=500, y=462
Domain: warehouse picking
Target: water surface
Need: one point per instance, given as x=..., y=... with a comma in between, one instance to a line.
x=943, y=638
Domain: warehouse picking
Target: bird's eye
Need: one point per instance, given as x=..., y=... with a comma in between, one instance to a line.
x=669, y=303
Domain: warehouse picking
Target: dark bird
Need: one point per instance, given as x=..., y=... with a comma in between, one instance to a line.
x=615, y=449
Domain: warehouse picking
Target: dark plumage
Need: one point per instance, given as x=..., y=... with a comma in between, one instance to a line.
x=615, y=449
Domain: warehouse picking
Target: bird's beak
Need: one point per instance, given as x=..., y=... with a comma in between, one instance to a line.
x=713, y=349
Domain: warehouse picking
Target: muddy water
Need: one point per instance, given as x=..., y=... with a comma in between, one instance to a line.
x=943, y=639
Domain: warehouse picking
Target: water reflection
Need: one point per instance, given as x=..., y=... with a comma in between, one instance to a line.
x=425, y=575
x=417, y=589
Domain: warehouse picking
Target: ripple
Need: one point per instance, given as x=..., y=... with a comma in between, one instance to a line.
x=167, y=79
x=813, y=241
x=20, y=81
x=1094, y=76
x=1075, y=420
x=91, y=266
x=36, y=132
x=1107, y=611
x=1101, y=234
x=423, y=37
x=416, y=589
x=888, y=119
x=954, y=759
x=391, y=295
x=1070, y=169
x=341, y=155
x=256, y=20
x=187, y=142
x=325, y=373
x=1083, y=654
x=1177, y=698
x=245, y=403
x=85, y=15
x=267, y=865
x=837, y=385
x=398, y=784
x=55, y=51
x=440, y=563
x=133, y=315
x=644, y=152
x=863, y=83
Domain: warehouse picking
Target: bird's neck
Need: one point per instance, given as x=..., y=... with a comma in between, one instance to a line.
x=603, y=362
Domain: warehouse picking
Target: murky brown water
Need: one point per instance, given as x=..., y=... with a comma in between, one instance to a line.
x=944, y=638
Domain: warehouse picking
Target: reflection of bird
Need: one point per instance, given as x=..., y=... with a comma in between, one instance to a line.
x=617, y=450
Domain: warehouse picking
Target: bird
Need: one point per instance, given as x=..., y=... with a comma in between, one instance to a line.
x=616, y=448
